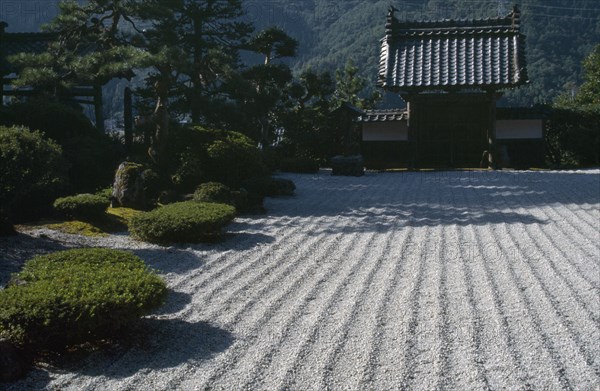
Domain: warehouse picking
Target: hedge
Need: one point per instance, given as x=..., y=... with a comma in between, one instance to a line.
x=76, y=296
x=33, y=172
x=182, y=222
x=82, y=206
x=213, y=192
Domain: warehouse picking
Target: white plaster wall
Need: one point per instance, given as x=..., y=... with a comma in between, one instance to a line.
x=385, y=131
x=519, y=129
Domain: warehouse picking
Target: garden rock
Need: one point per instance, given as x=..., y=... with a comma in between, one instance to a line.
x=347, y=165
x=128, y=188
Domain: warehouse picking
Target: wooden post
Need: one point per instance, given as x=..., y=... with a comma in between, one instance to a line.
x=128, y=119
x=491, y=135
x=98, y=107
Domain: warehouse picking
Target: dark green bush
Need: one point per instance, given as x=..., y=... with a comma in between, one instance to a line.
x=572, y=137
x=265, y=186
x=91, y=154
x=32, y=174
x=82, y=206
x=182, y=222
x=105, y=193
x=213, y=192
x=300, y=165
x=280, y=187
x=77, y=296
x=208, y=155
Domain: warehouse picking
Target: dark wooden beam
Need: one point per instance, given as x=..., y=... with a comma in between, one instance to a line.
x=98, y=107
x=491, y=134
x=128, y=119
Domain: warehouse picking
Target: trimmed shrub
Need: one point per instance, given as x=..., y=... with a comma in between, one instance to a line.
x=280, y=187
x=91, y=154
x=105, y=193
x=300, y=165
x=182, y=222
x=82, y=206
x=208, y=155
x=76, y=296
x=33, y=173
x=269, y=187
x=213, y=192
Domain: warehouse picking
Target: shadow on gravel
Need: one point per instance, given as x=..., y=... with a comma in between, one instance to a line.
x=176, y=301
x=244, y=241
x=36, y=379
x=15, y=250
x=188, y=257
x=163, y=344
x=170, y=260
x=423, y=199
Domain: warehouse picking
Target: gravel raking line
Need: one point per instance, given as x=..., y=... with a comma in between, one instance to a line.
x=395, y=281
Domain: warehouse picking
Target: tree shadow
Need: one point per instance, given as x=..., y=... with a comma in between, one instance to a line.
x=175, y=302
x=16, y=249
x=160, y=344
x=380, y=202
x=36, y=379
x=169, y=260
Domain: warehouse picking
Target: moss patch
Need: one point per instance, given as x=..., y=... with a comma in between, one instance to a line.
x=76, y=227
x=123, y=215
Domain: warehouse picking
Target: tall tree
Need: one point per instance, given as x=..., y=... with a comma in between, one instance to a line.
x=261, y=89
x=350, y=86
x=185, y=45
x=274, y=43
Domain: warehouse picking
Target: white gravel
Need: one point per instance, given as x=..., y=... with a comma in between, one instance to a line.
x=420, y=281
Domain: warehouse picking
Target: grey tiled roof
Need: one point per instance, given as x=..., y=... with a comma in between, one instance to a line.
x=383, y=116
x=452, y=54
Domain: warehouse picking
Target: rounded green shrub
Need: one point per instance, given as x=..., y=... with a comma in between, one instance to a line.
x=82, y=206
x=182, y=222
x=77, y=296
x=33, y=172
x=92, y=156
x=266, y=186
x=213, y=192
x=209, y=155
x=280, y=187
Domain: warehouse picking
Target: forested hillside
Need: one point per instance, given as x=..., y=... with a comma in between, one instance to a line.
x=560, y=33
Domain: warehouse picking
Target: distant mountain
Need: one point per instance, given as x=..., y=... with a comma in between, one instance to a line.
x=560, y=33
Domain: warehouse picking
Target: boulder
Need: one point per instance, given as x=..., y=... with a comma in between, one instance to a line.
x=129, y=186
x=348, y=165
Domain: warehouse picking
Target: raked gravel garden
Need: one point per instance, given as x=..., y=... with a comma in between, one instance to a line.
x=411, y=280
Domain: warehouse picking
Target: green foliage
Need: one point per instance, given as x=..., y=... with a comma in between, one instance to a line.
x=587, y=98
x=76, y=296
x=182, y=222
x=349, y=87
x=280, y=187
x=300, y=165
x=91, y=154
x=209, y=155
x=84, y=207
x=33, y=173
x=90, y=48
x=269, y=187
x=105, y=193
x=573, y=131
x=573, y=138
x=273, y=43
x=213, y=192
